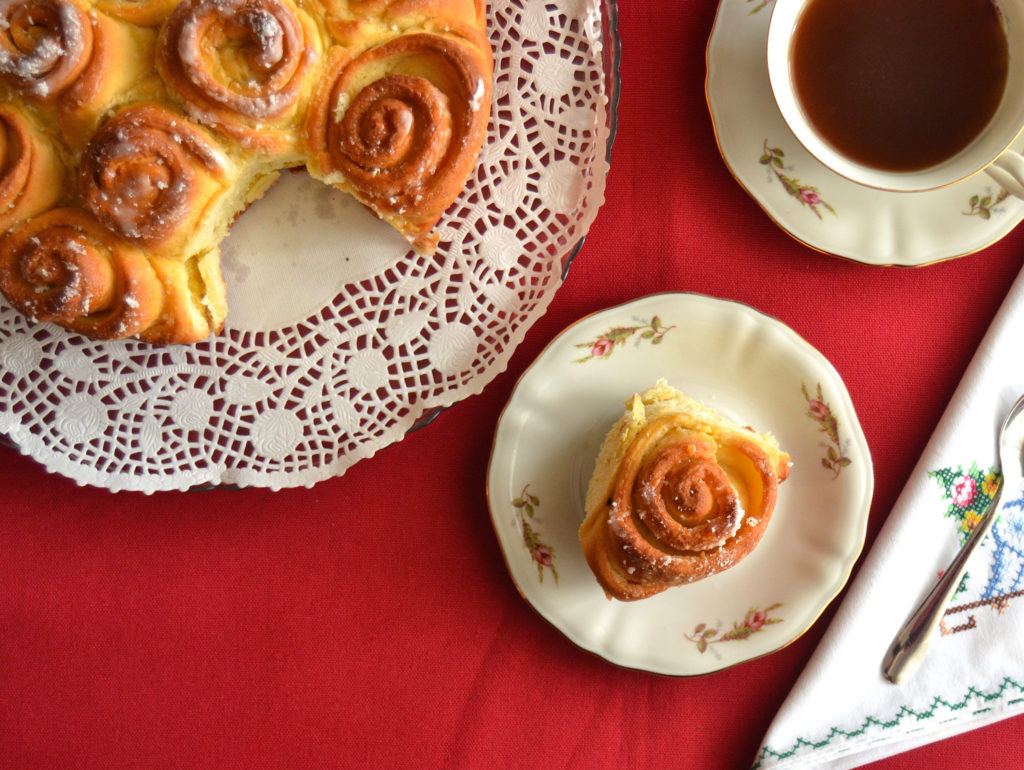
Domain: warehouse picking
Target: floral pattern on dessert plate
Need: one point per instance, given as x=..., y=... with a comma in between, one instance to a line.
x=813, y=204
x=750, y=368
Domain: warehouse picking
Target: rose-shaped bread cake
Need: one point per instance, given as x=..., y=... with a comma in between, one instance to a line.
x=134, y=132
x=678, y=494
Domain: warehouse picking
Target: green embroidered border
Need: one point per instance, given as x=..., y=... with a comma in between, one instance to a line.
x=869, y=722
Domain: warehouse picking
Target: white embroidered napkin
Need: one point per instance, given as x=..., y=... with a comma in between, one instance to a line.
x=842, y=713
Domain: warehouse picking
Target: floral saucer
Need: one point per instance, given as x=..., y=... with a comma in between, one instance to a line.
x=750, y=368
x=812, y=203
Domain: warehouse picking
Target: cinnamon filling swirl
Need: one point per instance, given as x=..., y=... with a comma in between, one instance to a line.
x=240, y=65
x=398, y=125
x=45, y=45
x=690, y=496
x=64, y=267
x=149, y=175
x=135, y=132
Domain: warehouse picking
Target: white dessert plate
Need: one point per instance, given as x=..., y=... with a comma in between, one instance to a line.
x=813, y=204
x=752, y=369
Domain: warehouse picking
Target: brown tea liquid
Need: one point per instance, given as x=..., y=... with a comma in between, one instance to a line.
x=899, y=85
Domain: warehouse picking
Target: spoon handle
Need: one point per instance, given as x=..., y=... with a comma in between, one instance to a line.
x=910, y=644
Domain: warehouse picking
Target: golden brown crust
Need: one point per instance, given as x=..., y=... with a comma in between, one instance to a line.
x=688, y=500
x=194, y=302
x=31, y=174
x=66, y=268
x=69, y=60
x=470, y=12
x=120, y=58
x=150, y=175
x=404, y=141
x=145, y=13
x=45, y=46
x=243, y=66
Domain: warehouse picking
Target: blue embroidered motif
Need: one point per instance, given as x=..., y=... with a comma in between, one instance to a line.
x=1007, y=568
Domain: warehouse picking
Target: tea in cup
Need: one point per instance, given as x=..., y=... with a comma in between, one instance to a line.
x=905, y=95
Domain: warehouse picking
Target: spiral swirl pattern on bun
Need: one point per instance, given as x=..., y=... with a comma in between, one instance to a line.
x=403, y=141
x=682, y=496
x=678, y=494
x=241, y=65
x=149, y=174
x=45, y=45
x=64, y=266
x=71, y=61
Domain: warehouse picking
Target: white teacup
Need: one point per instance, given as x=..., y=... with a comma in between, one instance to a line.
x=989, y=151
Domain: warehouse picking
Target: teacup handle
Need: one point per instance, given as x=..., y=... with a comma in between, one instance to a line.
x=1008, y=171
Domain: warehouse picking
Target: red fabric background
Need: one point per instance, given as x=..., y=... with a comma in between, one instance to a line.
x=369, y=621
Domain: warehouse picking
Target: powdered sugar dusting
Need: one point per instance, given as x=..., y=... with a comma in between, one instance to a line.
x=269, y=35
x=46, y=66
x=476, y=101
x=276, y=50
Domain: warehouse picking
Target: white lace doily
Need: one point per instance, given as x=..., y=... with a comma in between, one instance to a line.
x=339, y=338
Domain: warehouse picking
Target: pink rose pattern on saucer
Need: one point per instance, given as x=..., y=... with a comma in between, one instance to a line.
x=819, y=411
x=604, y=345
x=753, y=622
x=981, y=206
x=543, y=554
x=808, y=196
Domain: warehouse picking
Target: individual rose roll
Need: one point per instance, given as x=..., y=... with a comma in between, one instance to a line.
x=64, y=267
x=155, y=178
x=68, y=58
x=678, y=494
x=400, y=126
x=45, y=45
x=31, y=173
x=244, y=66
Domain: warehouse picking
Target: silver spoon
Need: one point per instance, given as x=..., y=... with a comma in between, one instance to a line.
x=911, y=643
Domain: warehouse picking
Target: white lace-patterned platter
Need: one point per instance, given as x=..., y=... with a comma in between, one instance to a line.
x=751, y=369
x=812, y=203
x=339, y=338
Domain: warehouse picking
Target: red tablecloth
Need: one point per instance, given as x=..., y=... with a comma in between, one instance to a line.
x=369, y=621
